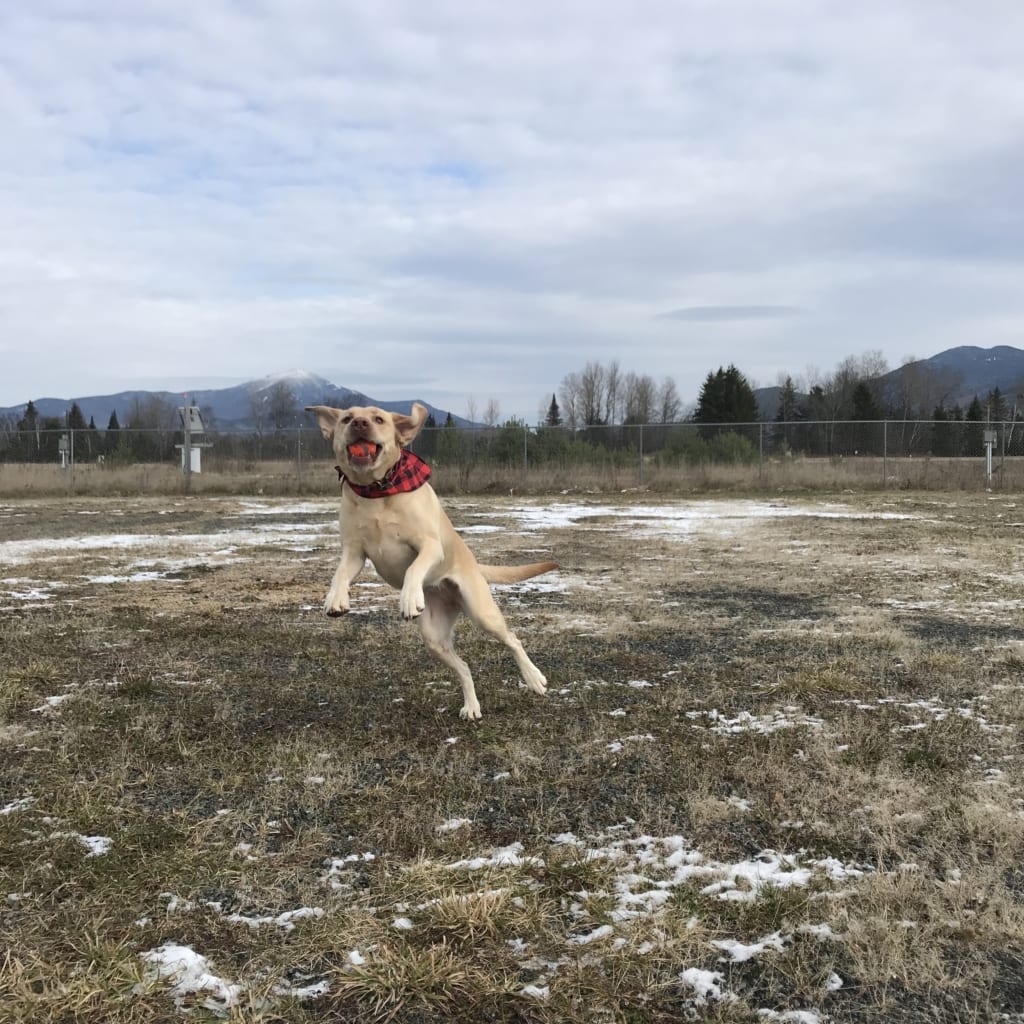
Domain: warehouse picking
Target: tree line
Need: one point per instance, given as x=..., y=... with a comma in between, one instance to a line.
x=586, y=404
x=861, y=388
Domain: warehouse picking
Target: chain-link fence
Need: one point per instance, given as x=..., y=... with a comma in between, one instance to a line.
x=925, y=453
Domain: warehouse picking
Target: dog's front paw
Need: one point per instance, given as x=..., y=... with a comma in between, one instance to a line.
x=335, y=606
x=535, y=681
x=471, y=711
x=412, y=603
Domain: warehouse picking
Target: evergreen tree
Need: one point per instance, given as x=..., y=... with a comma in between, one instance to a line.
x=112, y=437
x=29, y=424
x=788, y=411
x=30, y=421
x=449, y=449
x=789, y=405
x=554, y=416
x=726, y=397
x=864, y=406
x=974, y=430
x=995, y=406
x=425, y=444
x=945, y=435
x=76, y=419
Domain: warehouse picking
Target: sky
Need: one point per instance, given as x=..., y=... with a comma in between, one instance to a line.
x=464, y=202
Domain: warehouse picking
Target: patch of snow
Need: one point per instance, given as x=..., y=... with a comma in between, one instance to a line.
x=453, y=824
x=706, y=985
x=739, y=952
x=507, y=856
x=285, y=921
x=602, y=932
x=189, y=974
x=786, y=718
x=303, y=992
x=536, y=991
x=18, y=805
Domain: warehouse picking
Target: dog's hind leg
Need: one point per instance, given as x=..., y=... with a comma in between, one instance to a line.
x=479, y=604
x=436, y=624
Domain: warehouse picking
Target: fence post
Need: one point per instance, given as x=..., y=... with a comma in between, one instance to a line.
x=71, y=457
x=641, y=472
x=526, y=451
x=186, y=447
x=298, y=456
x=760, y=450
x=885, y=454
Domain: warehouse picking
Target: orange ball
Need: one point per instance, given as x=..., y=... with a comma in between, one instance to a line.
x=362, y=450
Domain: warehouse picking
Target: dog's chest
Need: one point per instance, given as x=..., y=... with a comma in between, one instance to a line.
x=389, y=549
x=387, y=545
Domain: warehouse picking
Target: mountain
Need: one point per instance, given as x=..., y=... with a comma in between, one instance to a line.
x=952, y=377
x=232, y=408
x=977, y=371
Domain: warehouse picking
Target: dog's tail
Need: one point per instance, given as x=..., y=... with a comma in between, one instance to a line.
x=515, y=573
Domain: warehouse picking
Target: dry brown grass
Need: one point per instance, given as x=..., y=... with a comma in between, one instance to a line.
x=836, y=700
x=226, y=476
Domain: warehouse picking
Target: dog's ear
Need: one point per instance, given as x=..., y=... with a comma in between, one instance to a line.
x=327, y=418
x=407, y=427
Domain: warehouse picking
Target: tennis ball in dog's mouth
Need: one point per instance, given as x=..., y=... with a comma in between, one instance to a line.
x=363, y=450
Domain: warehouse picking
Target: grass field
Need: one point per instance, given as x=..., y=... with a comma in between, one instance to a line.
x=777, y=776
x=225, y=476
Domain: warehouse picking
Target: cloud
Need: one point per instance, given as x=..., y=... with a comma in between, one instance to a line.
x=727, y=313
x=497, y=195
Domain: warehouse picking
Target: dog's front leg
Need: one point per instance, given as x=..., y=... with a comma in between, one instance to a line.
x=411, y=602
x=352, y=561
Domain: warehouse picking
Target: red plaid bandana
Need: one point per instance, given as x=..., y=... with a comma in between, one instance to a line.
x=409, y=473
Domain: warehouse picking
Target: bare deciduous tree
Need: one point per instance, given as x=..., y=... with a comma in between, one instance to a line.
x=593, y=382
x=569, y=391
x=281, y=405
x=670, y=407
x=639, y=400
x=599, y=395
x=919, y=389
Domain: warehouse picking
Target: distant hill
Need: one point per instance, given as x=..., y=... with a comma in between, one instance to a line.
x=232, y=408
x=979, y=370
x=952, y=377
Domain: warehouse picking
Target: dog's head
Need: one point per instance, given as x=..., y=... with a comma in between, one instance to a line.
x=368, y=441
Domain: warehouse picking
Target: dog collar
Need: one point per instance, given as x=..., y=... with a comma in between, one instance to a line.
x=409, y=473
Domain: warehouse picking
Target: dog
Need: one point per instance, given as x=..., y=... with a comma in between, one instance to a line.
x=391, y=515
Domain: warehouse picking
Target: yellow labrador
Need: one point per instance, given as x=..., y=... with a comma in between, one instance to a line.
x=391, y=515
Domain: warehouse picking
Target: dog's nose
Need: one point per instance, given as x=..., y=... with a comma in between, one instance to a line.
x=361, y=423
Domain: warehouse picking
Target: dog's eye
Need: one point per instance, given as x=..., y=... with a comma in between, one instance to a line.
x=346, y=419
x=379, y=419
